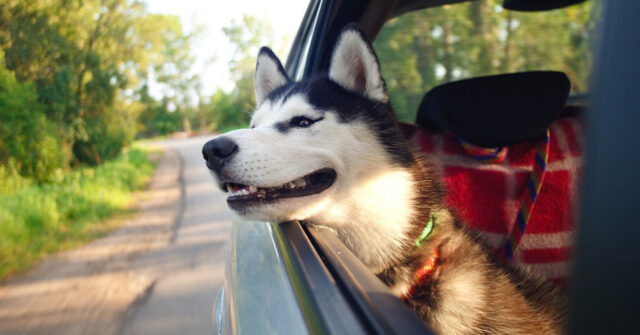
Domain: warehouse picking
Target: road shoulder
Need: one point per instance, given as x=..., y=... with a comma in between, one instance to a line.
x=91, y=290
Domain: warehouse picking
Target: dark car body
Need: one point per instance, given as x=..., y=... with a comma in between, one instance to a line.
x=286, y=278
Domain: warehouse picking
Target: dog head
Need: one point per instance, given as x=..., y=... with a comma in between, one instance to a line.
x=323, y=146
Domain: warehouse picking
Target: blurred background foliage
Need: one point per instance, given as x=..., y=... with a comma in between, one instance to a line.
x=426, y=48
x=75, y=79
x=72, y=73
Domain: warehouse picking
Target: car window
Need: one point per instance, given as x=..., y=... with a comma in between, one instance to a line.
x=429, y=47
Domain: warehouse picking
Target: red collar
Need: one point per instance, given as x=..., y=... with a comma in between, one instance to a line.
x=422, y=275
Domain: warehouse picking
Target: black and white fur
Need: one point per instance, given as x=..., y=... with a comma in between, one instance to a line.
x=329, y=151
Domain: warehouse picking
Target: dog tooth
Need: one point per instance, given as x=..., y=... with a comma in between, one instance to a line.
x=252, y=189
x=292, y=185
x=229, y=189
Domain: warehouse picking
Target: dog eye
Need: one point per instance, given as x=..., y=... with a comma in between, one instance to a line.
x=302, y=121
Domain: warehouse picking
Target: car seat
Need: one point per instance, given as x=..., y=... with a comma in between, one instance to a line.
x=510, y=152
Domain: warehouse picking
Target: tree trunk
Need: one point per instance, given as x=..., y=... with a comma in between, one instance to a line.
x=480, y=36
x=425, y=55
x=506, y=61
x=447, y=60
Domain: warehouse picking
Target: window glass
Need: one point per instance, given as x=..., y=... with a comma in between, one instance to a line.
x=426, y=48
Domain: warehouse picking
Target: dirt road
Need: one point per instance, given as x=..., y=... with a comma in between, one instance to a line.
x=157, y=274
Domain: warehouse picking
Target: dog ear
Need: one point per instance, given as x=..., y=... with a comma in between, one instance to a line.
x=269, y=74
x=354, y=65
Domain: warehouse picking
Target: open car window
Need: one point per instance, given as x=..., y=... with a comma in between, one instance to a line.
x=423, y=49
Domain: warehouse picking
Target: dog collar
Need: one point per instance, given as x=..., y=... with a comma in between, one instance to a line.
x=427, y=230
x=422, y=275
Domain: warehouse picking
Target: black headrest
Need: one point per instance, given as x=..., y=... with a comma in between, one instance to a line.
x=496, y=110
x=538, y=5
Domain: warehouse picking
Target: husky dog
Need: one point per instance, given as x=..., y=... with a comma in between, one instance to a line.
x=329, y=151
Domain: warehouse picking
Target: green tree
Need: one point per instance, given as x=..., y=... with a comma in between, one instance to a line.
x=89, y=60
x=156, y=118
x=233, y=109
x=27, y=141
x=423, y=49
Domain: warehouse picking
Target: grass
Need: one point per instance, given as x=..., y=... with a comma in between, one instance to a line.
x=39, y=219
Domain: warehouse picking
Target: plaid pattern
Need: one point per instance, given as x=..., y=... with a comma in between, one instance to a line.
x=488, y=196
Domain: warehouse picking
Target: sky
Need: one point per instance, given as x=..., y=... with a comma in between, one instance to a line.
x=213, y=15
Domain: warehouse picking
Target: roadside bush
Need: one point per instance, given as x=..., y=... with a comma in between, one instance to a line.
x=107, y=135
x=157, y=120
x=38, y=219
x=11, y=179
x=28, y=145
x=230, y=110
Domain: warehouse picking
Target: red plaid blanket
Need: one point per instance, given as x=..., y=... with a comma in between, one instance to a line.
x=487, y=196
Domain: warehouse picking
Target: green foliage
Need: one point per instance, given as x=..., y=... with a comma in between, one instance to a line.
x=246, y=38
x=105, y=138
x=88, y=60
x=232, y=110
x=423, y=49
x=27, y=141
x=11, y=179
x=156, y=119
x=229, y=110
x=37, y=219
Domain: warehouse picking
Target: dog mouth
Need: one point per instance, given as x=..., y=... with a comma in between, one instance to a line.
x=242, y=195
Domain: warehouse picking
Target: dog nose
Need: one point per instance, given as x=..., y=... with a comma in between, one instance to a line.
x=218, y=151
